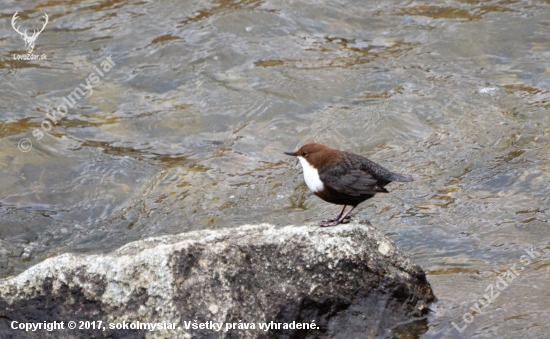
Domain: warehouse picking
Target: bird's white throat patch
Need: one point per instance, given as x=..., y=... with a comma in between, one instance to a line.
x=311, y=176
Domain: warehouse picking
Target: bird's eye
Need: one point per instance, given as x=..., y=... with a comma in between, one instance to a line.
x=304, y=154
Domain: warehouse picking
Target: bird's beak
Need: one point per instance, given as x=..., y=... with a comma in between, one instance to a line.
x=291, y=153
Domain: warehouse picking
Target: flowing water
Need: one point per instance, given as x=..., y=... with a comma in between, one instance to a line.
x=187, y=130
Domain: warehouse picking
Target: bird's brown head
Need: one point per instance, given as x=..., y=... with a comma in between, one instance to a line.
x=316, y=155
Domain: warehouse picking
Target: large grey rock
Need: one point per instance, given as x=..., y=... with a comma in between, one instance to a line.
x=350, y=280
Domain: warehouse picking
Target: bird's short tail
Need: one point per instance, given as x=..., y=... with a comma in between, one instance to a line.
x=401, y=177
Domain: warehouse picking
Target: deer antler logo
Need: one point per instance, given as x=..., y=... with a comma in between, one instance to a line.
x=29, y=40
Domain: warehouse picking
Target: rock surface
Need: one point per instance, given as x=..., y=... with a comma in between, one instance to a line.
x=348, y=280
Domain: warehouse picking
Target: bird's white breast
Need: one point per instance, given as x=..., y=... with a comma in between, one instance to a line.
x=311, y=176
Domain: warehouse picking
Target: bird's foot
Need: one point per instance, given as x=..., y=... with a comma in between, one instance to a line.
x=347, y=217
x=335, y=221
x=328, y=223
x=346, y=220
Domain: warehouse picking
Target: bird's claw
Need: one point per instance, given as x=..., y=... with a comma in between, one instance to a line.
x=328, y=223
x=348, y=217
x=335, y=221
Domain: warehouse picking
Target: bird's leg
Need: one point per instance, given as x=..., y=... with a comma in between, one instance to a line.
x=341, y=220
x=339, y=215
x=346, y=218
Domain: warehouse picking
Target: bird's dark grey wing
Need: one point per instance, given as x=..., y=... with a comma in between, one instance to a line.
x=357, y=162
x=354, y=182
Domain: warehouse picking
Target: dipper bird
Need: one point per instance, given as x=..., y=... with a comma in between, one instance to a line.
x=343, y=178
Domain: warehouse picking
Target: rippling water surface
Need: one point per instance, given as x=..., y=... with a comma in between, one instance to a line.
x=187, y=130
